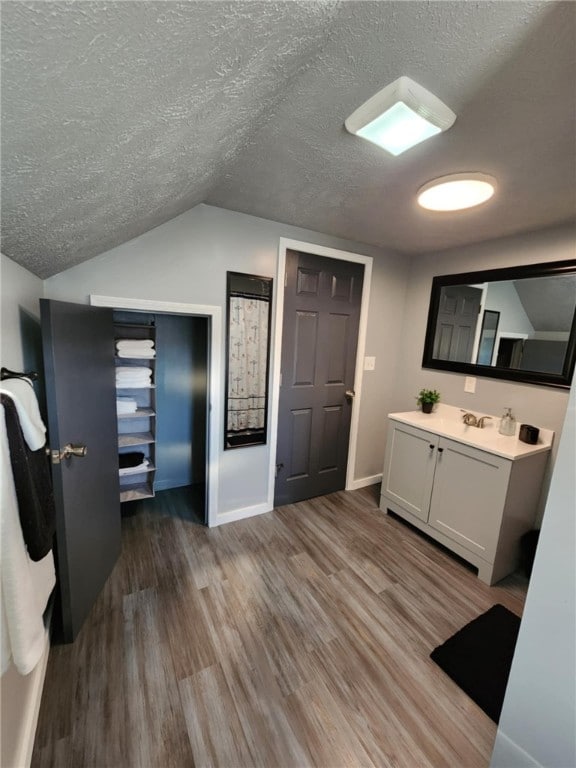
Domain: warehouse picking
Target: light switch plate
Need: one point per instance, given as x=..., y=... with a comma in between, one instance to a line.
x=369, y=363
x=470, y=384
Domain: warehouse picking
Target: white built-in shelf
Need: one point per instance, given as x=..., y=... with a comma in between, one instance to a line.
x=127, y=360
x=135, y=438
x=137, y=482
x=136, y=492
x=140, y=413
x=146, y=386
x=124, y=471
x=145, y=326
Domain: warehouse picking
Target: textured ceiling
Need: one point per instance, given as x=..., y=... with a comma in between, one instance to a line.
x=119, y=116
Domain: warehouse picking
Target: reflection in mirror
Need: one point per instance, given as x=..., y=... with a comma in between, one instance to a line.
x=519, y=322
x=456, y=323
x=249, y=304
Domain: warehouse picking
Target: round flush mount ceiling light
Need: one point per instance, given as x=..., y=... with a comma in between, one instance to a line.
x=456, y=192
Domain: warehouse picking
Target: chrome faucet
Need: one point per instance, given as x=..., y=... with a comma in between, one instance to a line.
x=474, y=421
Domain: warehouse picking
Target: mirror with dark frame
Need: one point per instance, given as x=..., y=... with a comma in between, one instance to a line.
x=517, y=323
x=249, y=312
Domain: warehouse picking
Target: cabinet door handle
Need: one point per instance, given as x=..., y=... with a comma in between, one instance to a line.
x=440, y=450
x=431, y=446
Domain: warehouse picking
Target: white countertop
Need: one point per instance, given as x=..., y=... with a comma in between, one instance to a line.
x=446, y=421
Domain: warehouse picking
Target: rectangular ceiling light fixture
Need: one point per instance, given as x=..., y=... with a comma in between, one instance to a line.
x=400, y=116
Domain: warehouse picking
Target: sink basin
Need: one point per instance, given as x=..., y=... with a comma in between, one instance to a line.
x=447, y=422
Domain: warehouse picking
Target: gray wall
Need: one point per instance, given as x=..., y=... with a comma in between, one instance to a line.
x=541, y=406
x=20, y=343
x=513, y=319
x=186, y=260
x=537, y=722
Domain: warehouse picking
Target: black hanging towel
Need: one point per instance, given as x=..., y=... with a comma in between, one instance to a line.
x=33, y=487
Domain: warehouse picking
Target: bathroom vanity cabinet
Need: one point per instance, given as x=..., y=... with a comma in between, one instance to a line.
x=475, y=501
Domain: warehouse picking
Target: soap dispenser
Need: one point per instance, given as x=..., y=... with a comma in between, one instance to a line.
x=507, y=423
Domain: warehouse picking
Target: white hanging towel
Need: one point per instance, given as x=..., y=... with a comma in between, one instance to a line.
x=22, y=393
x=25, y=585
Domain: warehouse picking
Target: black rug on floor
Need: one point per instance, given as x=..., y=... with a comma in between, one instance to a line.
x=479, y=656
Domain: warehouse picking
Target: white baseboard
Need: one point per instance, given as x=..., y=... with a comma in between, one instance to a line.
x=261, y=509
x=242, y=513
x=362, y=482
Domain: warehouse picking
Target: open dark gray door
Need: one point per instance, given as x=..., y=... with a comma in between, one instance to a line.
x=78, y=346
x=322, y=301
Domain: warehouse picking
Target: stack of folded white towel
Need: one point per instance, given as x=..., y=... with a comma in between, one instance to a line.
x=133, y=376
x=126, y=405
x=136, y=348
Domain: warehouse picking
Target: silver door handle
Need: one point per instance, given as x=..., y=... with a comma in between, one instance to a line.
x=66, y=452
x=73, y=450
x=350, y=395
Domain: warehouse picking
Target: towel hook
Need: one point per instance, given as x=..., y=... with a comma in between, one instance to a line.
x=6, y=373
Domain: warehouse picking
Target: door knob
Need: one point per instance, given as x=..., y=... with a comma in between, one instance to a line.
x=73, y=450
x=65, y=453
x=350, y=395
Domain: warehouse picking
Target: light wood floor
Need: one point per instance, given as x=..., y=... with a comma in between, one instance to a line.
x=298, y=638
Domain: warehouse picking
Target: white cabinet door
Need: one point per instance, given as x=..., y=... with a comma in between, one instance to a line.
x=409, y=468
x=469, y=496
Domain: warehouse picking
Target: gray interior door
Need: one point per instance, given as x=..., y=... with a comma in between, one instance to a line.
x=456, y=324
x=78, y=351
x=322, y=300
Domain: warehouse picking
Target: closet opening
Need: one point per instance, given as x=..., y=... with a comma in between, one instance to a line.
x=162, y=379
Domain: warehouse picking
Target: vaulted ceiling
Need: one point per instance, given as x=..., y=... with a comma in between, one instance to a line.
x=549, y=302
x=116, y=117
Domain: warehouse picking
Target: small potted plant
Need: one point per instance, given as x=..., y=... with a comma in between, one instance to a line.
x=427, y=398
